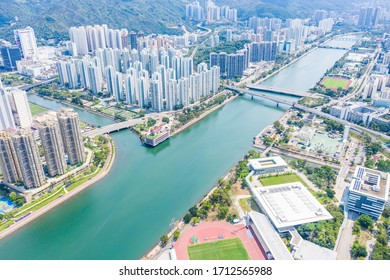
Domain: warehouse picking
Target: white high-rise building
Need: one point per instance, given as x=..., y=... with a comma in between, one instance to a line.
x=25, y=39
x=156, y=92
x=78, y=35
x=20, y=107
x=6, y=116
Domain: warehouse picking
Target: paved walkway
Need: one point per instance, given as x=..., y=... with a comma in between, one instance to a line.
x=212, y=230
x=106, y=169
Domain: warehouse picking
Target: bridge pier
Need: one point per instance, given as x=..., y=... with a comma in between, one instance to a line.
x=252, y=97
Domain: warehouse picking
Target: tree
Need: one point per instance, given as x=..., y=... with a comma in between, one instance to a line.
x=384, y=165
x=176, y=234
x=193, y=211
x=165, y=119
x=187, y=217
x=365, y=221
x=386, y=212
x=141, y=113
x=327, y=173
x=195, y=221
x=329, y=192
x=12, y=196
x=164, y=240
x=359, y=250
x=222, y=212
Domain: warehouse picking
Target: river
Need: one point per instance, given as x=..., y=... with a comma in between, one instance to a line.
x=123, y=215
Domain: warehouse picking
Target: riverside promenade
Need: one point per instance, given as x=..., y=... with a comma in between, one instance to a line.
x=34, y=215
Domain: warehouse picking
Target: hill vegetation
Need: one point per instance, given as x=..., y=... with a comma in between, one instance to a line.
x=52, y=18
x=284, y=8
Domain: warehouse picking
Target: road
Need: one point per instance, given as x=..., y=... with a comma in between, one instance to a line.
x=203, y=42
x=345, y=241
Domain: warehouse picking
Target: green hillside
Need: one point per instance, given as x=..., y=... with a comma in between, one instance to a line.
x=52, y=18
x=284, y=8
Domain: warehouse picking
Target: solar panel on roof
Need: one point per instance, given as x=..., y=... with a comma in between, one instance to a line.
x=360, y=172
x=356, y=185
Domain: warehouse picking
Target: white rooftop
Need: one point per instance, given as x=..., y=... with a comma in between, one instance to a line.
x=370, y=182
x=290, y=204
x=269, y=162
x=310, y=251
x=270, y=236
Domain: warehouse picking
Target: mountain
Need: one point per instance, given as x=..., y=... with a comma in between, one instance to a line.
x=52, y=18
x=285, y=8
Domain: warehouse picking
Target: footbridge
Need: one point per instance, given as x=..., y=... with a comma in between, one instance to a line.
x=113, y=127
x=261, y=95
x=279, y=90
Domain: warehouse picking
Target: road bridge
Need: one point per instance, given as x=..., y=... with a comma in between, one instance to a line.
x=261, y=95
x=113, y=127
x=333, y=48
x=279, y=90
x=28, y=87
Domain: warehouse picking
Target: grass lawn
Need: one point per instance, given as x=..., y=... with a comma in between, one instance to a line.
x=282, y=179
x=335, y=83
x=36, y=110
x=228, y=249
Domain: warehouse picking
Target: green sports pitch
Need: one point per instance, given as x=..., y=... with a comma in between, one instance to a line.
x=228, y=249
x=335, y=83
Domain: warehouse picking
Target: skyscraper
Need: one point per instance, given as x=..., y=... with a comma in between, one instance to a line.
x=28, y=158
x=8, y=159
x=6, y=116
x=49, y=131
x=133, y=40
x=71, y=135
x=10, y=55
x=20, y=108
x=26, y=41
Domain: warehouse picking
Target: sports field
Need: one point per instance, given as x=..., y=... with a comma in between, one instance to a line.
x=335, y=82
x=228, y=249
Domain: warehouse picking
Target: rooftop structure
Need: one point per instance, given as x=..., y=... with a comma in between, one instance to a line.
x=368, y=192
x=268, y=165
x=289, y=205
x=269, y=237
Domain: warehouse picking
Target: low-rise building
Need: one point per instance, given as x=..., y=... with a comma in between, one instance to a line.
x=368, y=192
x=267, y=165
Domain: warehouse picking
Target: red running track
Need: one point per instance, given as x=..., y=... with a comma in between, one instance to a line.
x=212, y=230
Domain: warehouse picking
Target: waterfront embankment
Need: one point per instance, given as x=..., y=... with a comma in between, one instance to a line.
x=36, y=214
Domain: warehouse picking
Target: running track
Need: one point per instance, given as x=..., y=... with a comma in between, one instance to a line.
x=212, y=230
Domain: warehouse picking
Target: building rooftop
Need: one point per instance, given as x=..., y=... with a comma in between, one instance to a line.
x=310, y=251
x=270, y=236
x=370, y=182
x=269, y=162
x=290, y=204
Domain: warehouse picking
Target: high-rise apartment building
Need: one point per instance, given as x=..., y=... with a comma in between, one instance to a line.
x=6, y=116
x=71, y=135
x=50, y=135
x=26, y=41
x=28, y=158
x=9, y=164
x=20, y=107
